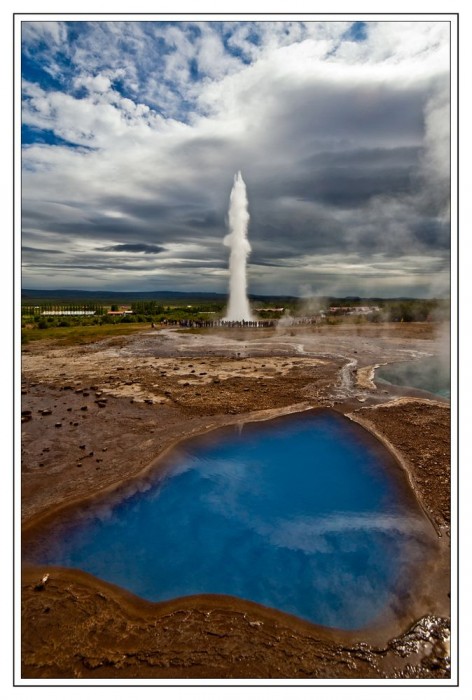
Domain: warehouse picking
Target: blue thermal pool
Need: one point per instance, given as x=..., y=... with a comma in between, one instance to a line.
x=430, y=374
x=306, y=514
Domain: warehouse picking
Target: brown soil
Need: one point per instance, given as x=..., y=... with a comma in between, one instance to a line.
x=117, y=405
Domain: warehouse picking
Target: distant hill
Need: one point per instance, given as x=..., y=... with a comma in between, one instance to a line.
x=167, y=296
x=80, y=295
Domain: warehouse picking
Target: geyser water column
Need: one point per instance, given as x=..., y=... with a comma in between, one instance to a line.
x=238, y=214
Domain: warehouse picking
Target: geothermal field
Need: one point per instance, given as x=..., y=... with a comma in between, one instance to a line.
x=101, y=422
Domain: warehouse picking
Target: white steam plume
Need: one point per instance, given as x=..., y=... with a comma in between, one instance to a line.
x=236, y=240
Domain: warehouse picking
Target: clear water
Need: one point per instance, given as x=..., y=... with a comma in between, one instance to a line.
x=429, y=374
x=299, y=514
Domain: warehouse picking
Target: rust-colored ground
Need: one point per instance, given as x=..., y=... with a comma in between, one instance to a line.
x=101, y=414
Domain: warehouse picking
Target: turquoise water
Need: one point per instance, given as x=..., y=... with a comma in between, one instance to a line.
x=429, y=374
x=302, y=514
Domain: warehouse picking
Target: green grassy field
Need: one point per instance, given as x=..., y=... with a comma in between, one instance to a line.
x=80, y=335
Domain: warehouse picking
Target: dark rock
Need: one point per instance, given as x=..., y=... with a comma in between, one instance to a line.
x=82, y=447
x=46, y=412
x=58, y=425
x=84, y=408
x=41, y=584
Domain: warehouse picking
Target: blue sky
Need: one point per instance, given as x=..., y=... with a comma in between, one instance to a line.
x=132, y=133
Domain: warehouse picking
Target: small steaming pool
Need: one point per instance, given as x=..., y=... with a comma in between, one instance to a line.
x=307, y=514
x=430, y=374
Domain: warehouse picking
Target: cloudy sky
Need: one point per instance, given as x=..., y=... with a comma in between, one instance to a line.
x=133, y=131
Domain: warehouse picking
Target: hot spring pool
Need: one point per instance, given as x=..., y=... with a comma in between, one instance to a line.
x=307, y=514
x=430, y=374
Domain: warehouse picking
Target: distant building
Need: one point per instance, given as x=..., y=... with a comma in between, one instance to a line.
x=67, y=313
x=281, y=310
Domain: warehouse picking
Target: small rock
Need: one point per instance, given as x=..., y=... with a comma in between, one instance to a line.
x=58, y=425
x=82, y=447
x=46, y=412
x=84, y=408
x=79, y=464
x=85, y=393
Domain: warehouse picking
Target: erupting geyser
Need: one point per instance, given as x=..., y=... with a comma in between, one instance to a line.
x=238, y=305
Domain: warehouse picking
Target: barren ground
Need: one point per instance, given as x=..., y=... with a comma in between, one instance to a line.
x=98, y=416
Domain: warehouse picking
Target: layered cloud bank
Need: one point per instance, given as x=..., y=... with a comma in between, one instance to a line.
x=133, y=132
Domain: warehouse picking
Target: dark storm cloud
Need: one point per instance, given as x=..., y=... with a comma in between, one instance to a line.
x=345, y=114
x=134, y=248
x=30, y=250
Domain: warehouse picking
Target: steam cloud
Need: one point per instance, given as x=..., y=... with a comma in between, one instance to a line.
x=236, y=240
